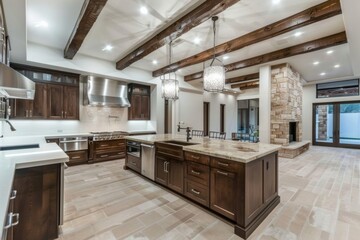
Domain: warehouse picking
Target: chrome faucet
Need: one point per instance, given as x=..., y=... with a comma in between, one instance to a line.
x=188, y=130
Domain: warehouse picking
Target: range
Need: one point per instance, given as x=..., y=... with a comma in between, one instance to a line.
x=101, y=136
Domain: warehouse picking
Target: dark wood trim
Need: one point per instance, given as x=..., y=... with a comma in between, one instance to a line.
x=197, y=16
x=247, y=85
x=311, y=46
x=206, y=118
x=244, y=78
x=90, y=11
x=222, y=117
x=336, y=124
x=311, y=15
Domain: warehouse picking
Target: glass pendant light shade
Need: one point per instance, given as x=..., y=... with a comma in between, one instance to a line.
x=170, y=88
x=169, y=83
x=214, y=79
x=214, y=76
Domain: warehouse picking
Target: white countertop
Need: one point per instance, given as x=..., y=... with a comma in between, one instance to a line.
x=10, y=160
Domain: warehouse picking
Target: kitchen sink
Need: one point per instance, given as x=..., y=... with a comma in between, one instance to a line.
x=181, y=143
x=19, y=147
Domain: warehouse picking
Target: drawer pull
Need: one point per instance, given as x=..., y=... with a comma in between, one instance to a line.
x=104, y=145
x=222, y=173
x=195, y=172
x=13, y=194
x=223, y=164
x=104, y=155
x=133, y=162
x=10, y=220
x=196, y=192
x=75, y=157
x=195, y=157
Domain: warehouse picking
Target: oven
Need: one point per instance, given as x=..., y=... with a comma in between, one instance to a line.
x=133, y=148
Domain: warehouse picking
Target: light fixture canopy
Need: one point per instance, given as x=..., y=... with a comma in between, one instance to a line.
x=214, y=75
x=169, y=83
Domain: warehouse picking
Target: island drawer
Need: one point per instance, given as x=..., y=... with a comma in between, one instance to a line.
x=196, y=157
x=134, y=163
x=197, y=192
x=225, y=164
x=170, y=151
x=198, y=173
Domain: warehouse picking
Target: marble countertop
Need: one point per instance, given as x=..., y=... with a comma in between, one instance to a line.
x=10, y=160
x=228, y=149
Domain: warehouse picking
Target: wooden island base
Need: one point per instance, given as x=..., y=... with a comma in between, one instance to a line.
x=246, y=232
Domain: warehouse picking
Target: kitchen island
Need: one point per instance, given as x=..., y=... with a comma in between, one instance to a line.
x=35, y=173
x=238, y=181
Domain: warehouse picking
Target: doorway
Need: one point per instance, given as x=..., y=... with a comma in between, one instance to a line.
x=336, y=124
x=248, y=116
x=206, y=118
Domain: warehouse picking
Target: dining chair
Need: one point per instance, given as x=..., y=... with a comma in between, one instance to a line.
x=197, y=133
x=217, y=135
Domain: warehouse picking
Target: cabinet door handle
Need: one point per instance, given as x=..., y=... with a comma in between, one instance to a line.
x=195, y=172
x=13, y=194
x=76, y=157
x=16, y=215
x=10, y=220
x=267, y=165
x=165, y=166
x=195, y=157
x=104, y=155
x=223, y=164
x=196, y=192
x=222, y=173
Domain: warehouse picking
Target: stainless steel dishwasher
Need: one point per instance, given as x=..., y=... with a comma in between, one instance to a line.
x=148, y=160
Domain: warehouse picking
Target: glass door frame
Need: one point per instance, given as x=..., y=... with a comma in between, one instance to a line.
x=336, y=126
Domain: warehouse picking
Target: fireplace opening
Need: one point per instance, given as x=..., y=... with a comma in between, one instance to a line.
x=292, y=132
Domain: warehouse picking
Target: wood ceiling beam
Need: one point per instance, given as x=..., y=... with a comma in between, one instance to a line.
x=311, y=15
x=311, y=46
x=244, y=78
x=253, y=84
x=197, y=16
x=90, y=11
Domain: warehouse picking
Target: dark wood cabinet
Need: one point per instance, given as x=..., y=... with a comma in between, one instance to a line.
x=37, y=202
x=56, y=95
x=169, y=166
x=106, y=150
x=139, y=96
x=270, y=180
x=63, y=102
x=223, y=192
x=134, y=163
x=31, y=109
x=77, y=157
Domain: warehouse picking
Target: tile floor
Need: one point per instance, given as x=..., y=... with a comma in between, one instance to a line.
x=320, y=199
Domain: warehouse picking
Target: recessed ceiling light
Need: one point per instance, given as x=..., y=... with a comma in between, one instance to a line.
x=298, y=34
x=108, y=48
x=337, y=66
x=197, y=40
x=330, y=52
x=316, y=63
x=154, y=62
x=225, y=57
x=42, y=24
x=275, y=2
x=144, y=10
x=322, y=74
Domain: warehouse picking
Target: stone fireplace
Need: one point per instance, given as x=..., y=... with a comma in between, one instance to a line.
x=286, y=109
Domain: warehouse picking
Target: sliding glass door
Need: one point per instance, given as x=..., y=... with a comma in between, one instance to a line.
x=336, y=124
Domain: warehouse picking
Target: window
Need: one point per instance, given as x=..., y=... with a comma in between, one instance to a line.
x=338, y=89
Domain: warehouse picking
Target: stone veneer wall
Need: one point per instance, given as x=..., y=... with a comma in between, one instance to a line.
x=286, y=103
x=322, y=119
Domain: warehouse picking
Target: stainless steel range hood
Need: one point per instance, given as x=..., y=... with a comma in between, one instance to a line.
x=105, y=92
x=14, y=84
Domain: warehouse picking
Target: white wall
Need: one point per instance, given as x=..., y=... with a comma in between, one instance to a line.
x=309, y=98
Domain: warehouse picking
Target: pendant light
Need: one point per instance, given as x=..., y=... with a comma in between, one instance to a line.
x=214, y=76
x=169, y=83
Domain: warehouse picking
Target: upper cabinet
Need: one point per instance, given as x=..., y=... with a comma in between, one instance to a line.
x=56, y=95
x=139, y=97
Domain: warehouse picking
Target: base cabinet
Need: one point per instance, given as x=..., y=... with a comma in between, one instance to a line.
x=176, y=175
x=37, y=202
x=223, y=192
x=100, y=151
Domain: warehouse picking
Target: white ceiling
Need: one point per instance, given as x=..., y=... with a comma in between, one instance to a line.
x=121, y=25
